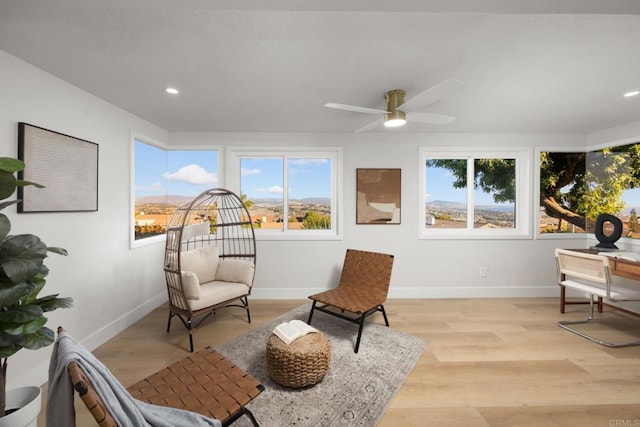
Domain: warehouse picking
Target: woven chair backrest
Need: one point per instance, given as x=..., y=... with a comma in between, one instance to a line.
x=586, y=266
x=89, y=396
x=367, y=272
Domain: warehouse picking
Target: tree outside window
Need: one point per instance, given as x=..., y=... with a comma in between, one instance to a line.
x=576, y=187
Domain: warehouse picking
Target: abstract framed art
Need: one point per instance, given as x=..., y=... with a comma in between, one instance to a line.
x=378, y=196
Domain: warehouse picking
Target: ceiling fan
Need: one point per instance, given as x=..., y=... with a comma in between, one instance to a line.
x=393, y=117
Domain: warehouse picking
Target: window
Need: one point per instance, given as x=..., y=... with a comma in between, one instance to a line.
x=290, y=194
x=165, y=179
x=575, y=187
x=482, y=194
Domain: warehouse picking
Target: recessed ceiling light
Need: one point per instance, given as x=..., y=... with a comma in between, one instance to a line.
x=632, y=93
x=172, y=90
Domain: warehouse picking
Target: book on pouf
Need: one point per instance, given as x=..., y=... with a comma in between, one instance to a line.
x=290, y=331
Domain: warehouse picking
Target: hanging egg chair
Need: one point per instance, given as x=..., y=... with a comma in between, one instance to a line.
x=209, y=259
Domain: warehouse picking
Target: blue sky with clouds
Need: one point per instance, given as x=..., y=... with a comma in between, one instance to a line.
x=308, y=177
x=189, y=172
x=175, y=172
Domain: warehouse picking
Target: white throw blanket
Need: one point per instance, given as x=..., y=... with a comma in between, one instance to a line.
x=126, y=410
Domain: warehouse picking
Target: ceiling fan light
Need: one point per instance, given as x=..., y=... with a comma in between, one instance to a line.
x=395, y=119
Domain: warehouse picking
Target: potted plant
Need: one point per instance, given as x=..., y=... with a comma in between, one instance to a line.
x=22, y=277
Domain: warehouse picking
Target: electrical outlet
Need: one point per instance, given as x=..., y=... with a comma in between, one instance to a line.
x=483, y=271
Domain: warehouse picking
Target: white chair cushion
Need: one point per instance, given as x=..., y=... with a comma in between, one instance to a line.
x=235, y=270
x=195, y=230
x=203, y=262
x=216, y=292
x=617, y=293
x=190, y=285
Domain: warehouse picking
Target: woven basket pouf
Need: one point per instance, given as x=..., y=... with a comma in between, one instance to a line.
x=302, y=363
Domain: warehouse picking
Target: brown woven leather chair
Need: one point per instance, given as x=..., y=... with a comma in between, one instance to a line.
x=362, y=290
x=204, y=382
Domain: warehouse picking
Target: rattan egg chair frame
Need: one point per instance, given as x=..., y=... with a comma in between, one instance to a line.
x=216, y=218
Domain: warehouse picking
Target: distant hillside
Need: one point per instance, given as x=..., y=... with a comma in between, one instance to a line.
x=442, y=204
x=158, y=200
x=181, y=200
x=305, y=201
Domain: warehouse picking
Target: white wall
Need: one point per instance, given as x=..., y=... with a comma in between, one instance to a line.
x=113, y=285
x=422, y=268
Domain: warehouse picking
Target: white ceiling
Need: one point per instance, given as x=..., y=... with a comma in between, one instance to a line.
x=270, y=66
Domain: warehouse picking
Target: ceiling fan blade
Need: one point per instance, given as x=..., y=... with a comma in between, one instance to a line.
x=433, y=94
x=354, y=108
x=370, y=126
x=430, y=118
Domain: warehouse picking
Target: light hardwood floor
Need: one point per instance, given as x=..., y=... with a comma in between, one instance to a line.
x=488, y=362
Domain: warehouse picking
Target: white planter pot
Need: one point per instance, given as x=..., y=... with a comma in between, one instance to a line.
x=28, y=399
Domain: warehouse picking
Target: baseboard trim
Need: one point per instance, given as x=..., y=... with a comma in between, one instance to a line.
x=427, y=293
x=40, y=373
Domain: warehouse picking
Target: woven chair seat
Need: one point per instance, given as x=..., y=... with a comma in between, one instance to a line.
x=204, y=382
x=302, y=363
x=355, y=300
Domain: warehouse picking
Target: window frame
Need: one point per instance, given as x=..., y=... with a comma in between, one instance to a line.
x=523, y=215
x=233, y=179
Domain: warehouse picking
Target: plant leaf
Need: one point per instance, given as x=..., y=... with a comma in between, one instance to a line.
x=11, y=165
x=52, y=302
x=5, y=226
x=8, y=340
x=15, y=316
x=42, y=338
x=13, y=293
x=21, y=257
x=9, y=350
x=22, y=183
x=34, y=326
x=59, y=251
x=8, y=184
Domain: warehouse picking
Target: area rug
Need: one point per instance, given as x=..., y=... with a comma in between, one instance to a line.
x=357, y=389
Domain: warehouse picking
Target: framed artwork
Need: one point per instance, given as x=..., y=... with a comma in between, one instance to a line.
x=66, y=166
x=378, y=196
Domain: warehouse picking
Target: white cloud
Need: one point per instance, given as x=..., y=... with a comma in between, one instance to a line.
x=192, y=174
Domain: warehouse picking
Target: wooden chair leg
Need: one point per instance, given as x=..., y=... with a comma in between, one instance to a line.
x=563, y=291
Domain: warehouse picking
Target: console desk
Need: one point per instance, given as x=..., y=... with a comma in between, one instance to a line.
x=617, y=266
